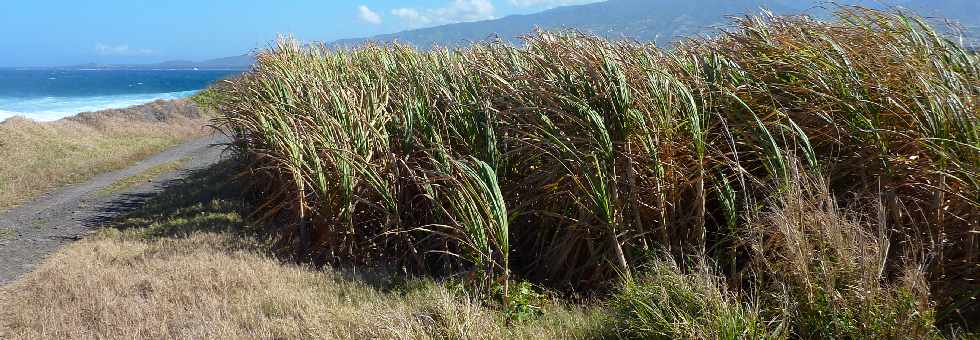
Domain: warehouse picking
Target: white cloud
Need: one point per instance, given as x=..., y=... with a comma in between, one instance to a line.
x=367, y=15
x=123, y=50
x=455, y=11
x=412, y=16
x=548, y=3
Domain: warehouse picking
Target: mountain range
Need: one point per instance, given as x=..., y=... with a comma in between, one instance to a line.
x=228, y=63
x=660, y=21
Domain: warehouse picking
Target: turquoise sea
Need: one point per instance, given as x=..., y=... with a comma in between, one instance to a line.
x=47, y=95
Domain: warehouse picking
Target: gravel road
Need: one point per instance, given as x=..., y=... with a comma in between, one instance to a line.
x=31, y=231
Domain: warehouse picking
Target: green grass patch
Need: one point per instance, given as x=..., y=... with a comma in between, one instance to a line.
x=6, y=233
x=142, y=177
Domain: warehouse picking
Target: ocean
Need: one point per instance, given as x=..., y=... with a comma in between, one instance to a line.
x=47, y=95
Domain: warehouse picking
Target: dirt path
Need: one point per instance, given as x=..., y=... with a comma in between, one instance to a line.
x=30, y=232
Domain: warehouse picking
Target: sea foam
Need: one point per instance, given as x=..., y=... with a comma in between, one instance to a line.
x=54, y=108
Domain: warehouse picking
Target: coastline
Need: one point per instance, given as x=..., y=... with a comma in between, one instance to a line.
x=65, y=107
x=46, y=95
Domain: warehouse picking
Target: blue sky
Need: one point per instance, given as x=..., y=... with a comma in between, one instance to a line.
x=64, y=32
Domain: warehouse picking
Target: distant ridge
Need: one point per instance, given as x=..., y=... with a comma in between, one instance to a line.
x=239, y=62
x=660, y=21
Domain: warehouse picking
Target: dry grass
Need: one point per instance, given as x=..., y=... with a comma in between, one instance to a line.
x=185, y=267
x=203, y=286
x=831, y=268
x=37, y=157
x=818, y=272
